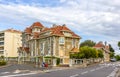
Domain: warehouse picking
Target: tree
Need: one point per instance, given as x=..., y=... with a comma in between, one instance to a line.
x=88, y=43
x=111, y=48
x=112, y=54
x=100, y=54
x=87, y=52
x=2, y=57
x=111, y=51
x=117, y=57
x=119, y=44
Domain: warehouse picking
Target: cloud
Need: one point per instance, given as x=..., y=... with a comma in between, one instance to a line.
x=97, y=19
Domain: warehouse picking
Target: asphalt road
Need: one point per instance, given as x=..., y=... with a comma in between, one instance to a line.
x=101, y=70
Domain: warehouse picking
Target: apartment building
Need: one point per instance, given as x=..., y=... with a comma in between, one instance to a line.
x=56, y=41
x=10, y=40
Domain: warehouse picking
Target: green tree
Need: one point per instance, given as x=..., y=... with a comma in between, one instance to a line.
x=111, y=48
x=87, y=52
x=112, y=54
x=111, y=51
x=117, y=57
x=88, y=43
x=119, y=44
x=2, y=57
x=100, y=54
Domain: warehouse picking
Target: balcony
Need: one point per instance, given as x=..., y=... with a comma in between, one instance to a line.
x=1, y=36
x=1, y=40
x=1, y=45
x=1, y=50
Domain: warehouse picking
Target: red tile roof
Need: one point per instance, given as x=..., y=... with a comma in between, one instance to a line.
x=100, y=44
x=58, y=30
x=64, y=28
x=55, y=30
x=36, y=35
x=28, y=30
x=26, y=49
x=37, y=24
x=12, y=30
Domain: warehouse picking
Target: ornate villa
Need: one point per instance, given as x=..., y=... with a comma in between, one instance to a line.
x=42, y=44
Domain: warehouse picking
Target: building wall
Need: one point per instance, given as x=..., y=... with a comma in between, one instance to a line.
x=11, y=43
x=62, y=50
x=48, y=44
x=106, y=57
x=1, y=43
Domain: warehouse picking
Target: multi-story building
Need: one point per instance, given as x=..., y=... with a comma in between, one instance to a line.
x=105, y=49
x=56, y=41
x=10, y=40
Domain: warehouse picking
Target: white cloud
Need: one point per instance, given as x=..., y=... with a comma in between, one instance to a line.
x=91, y=17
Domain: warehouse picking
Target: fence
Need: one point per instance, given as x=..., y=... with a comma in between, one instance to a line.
x=84, y=62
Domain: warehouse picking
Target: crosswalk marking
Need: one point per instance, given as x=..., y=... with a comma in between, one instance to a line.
x=4, y=72
x=18, y=75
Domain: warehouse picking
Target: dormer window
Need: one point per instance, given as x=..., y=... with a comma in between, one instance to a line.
x=36, y=30
x=67, y=33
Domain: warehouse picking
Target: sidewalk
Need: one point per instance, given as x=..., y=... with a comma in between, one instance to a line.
x=7, y=65
x=118, y=73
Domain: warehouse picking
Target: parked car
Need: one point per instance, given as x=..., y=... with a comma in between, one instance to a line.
x=113, y=60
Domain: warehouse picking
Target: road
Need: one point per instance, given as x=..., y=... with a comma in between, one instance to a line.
x=101, y=70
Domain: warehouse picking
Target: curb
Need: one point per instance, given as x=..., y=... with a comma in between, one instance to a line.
x=117, y=73
x=5, y=66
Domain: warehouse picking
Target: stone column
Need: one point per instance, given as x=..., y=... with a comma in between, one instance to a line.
x=84, y=63
x=54, y=62
x=70, y=63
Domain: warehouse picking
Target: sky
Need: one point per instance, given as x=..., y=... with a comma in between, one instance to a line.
x=97, y=20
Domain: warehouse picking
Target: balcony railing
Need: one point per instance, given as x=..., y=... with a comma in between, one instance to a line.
x=1, y=50
x=1, y=36
x=1, y=45
x=1, y=40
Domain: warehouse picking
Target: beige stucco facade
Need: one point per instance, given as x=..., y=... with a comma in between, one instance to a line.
x=10, y=41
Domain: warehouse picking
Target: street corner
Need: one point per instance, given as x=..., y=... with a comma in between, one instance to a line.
x=118, y=73
x=5, y=66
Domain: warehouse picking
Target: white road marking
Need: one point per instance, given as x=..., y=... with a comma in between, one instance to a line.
x=112, y=74
x=92, y=70
x=17, y=71
x=18, y=75
x=74, y=75
x=98, y=68
x=84, y=72
x=52, y=70
x=4, y=72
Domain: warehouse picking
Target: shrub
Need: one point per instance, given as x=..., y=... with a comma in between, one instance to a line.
x=58, y=61
x=3, y=63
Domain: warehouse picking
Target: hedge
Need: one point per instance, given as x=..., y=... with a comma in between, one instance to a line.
x=3, y=63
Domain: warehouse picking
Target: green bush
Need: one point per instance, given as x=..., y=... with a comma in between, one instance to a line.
x=58, y=61
x=117, y=57
x=3, y=63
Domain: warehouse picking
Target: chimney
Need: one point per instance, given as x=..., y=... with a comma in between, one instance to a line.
x=54, y=25
x=64, y=25
x=105, y=43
